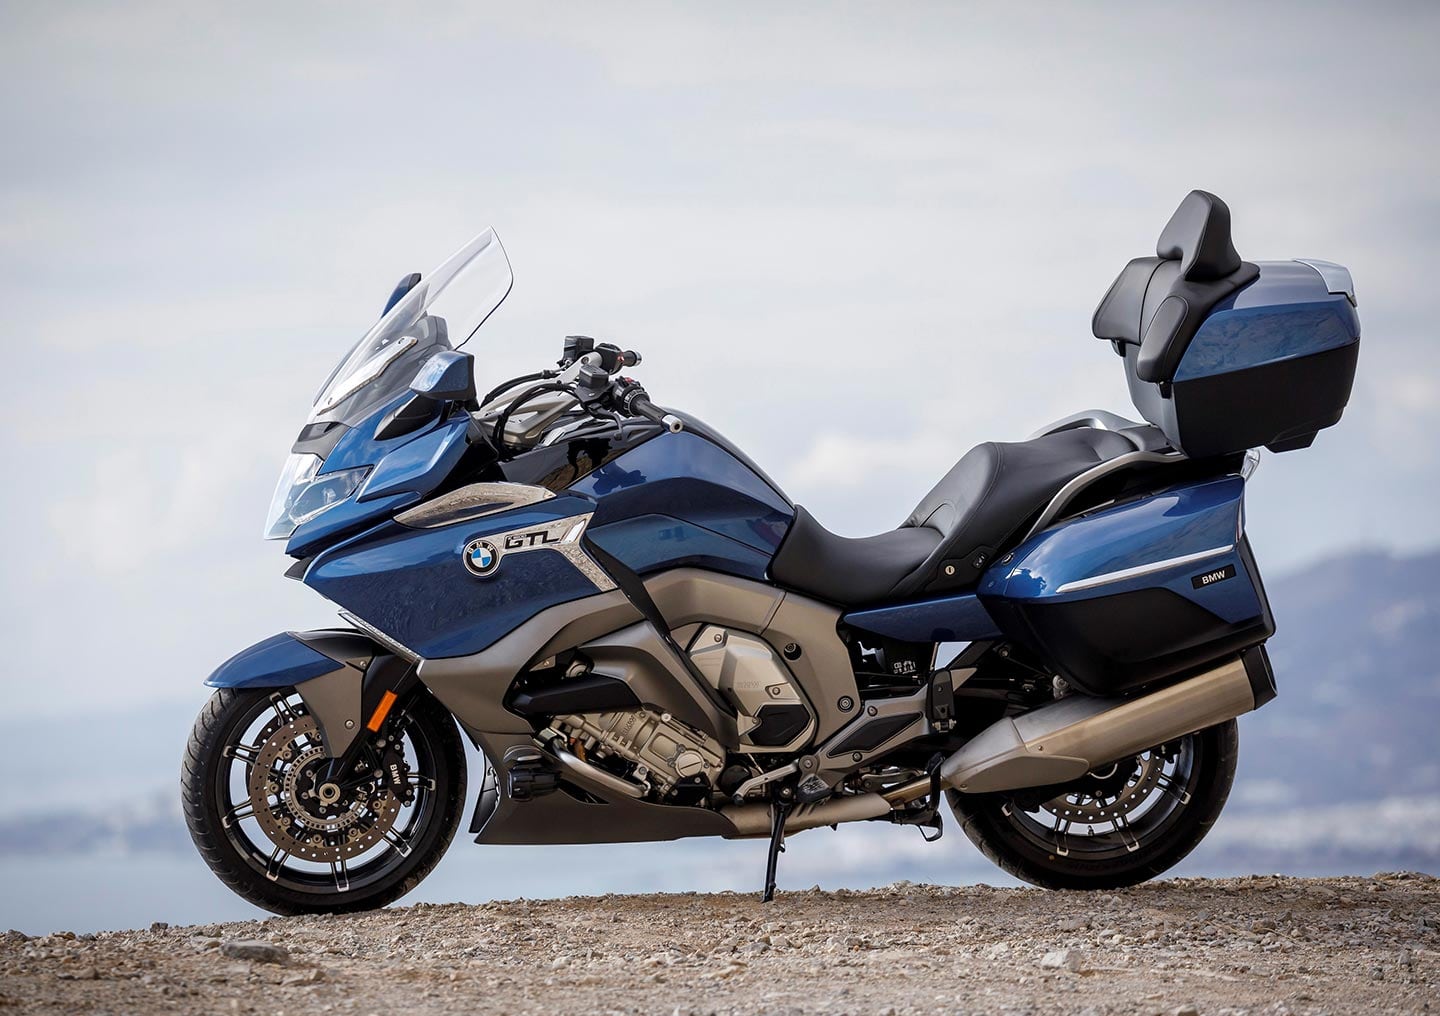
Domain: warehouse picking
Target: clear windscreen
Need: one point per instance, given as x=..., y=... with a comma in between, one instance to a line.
x=442, y=311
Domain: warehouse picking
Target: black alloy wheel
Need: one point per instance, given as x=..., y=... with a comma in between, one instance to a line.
x=1116, y=826
x=279, y=830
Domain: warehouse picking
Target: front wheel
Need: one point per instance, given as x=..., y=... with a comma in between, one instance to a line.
x=1116, y=826
x=288, y=835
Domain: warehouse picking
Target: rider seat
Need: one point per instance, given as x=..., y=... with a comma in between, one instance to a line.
x=973, y=513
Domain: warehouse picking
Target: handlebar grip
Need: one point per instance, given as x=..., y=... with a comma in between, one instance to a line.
x=641, y=406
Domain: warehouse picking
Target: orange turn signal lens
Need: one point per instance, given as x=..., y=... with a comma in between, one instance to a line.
x=381, y=711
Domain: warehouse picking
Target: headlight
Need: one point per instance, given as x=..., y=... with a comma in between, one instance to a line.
x=300, y=495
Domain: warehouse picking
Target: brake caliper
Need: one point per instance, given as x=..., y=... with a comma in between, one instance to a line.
x=396, y=774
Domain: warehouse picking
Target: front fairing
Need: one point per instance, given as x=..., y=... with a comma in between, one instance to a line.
x=340, y=475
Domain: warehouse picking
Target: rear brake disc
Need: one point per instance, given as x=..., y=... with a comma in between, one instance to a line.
x=1099, y=799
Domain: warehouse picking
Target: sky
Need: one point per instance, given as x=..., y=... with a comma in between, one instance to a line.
x=856, y=238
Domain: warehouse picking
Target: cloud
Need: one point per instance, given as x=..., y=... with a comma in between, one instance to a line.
x=857, y=243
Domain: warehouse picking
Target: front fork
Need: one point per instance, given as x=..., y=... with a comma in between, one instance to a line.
x=386, y=681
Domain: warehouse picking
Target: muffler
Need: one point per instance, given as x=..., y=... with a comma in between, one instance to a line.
x=1063, y=741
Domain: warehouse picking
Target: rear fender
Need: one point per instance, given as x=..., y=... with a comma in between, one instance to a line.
x=341, y=675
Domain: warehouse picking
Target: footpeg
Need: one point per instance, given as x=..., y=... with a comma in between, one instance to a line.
x=811, y=789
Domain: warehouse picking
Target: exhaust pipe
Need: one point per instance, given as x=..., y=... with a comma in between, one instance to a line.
x=1063, y=741
x=754, y=819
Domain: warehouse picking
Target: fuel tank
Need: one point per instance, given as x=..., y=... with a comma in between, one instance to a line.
x=687, y=500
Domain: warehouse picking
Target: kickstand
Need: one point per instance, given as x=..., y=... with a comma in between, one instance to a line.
x=778, y=813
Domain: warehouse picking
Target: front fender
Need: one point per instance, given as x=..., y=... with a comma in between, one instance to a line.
x=327, y=668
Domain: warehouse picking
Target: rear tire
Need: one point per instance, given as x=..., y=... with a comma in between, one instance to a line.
x=1187, y=802
x=236, y=849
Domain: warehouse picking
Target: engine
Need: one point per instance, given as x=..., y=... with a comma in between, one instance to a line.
x=649, y=749
x=772, y=714
x=659, y=751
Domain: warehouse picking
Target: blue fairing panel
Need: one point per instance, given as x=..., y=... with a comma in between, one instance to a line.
x=413, y=584
x=960, y=618
x=680, y=499
x=406, y=468
x=279, y=661
x=648, y=543
x=359, y=446
x=421, y=465
x=1162, y=542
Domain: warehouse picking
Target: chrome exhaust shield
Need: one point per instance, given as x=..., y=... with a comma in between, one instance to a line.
x=1066, y=739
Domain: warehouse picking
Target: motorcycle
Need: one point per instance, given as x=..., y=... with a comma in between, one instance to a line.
x=647, y=640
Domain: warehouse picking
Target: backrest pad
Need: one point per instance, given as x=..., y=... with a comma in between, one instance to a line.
x=1159, y=303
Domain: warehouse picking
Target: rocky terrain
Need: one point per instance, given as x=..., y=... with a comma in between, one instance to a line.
x=1209, y=946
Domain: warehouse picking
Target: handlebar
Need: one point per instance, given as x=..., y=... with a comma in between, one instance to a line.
x=589, y=379
x=629, y=396
x=641, y=405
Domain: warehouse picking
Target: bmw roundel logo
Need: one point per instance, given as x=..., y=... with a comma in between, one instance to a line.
x=481, y=557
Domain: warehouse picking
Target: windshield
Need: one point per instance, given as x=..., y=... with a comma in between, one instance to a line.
x=442, y=311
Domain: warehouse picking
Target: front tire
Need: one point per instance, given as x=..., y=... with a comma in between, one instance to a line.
x=1109, y=829
x=266, y=824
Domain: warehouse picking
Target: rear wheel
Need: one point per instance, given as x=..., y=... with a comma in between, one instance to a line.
x=282, y=831
x=1116, y=826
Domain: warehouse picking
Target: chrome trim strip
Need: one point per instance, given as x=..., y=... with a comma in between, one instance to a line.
x=470, y=503
x=1144, y=569
x=1067, y=493
x=404, y=652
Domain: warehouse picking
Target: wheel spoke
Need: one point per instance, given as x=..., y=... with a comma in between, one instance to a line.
x=247, y=753
x=282, y=709
x=1170, y=785
x=246, y=809
x=420, y=780
x=400, y=843
x=241, y=811
x=340, y=873
x=1060, y=830
x=277, y=860
x=1122, y=826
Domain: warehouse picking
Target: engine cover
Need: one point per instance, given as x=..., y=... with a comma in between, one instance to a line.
x=772, y=713
x=662, y=750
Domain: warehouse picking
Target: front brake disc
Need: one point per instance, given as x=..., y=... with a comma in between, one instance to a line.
x=291, y=815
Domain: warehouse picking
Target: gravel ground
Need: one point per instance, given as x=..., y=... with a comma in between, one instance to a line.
x=1249, y=945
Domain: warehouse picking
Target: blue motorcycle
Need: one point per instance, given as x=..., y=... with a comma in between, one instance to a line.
x=647, y=640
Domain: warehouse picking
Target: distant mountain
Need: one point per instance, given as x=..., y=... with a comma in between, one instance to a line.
x=1340, y=772
x=1357, y=660
x=144, y=825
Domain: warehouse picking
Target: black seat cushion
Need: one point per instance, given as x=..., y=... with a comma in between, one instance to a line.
x=971, y=515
